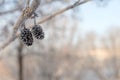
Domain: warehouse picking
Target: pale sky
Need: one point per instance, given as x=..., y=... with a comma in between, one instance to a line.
x=100, y=19
x=95, y=18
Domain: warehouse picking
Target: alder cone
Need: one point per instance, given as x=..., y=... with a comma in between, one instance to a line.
x=26, y=37
x=42, y=35
x=37, y=31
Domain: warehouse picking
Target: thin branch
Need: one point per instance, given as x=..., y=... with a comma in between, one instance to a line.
x=28, y=2
x=22, y=19
x=63, y=10
x=26, y=13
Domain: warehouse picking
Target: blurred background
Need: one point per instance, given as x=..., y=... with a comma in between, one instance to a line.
x=81, y=44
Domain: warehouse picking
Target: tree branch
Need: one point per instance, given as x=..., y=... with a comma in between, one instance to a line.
x=34, y=5
x=63, y=10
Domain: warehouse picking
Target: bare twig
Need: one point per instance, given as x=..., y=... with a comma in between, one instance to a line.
x=28, y=2
x=34, y=5
x=26, y=13
x=63, y=10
